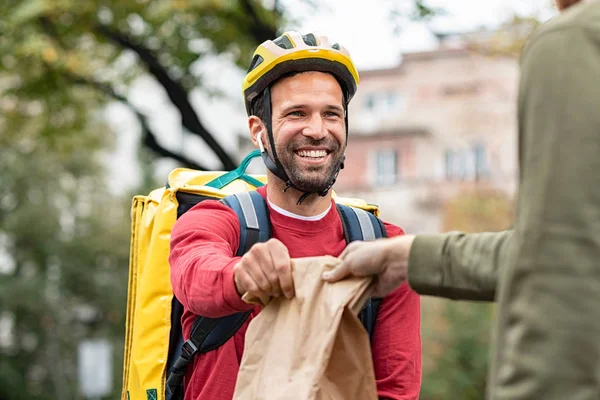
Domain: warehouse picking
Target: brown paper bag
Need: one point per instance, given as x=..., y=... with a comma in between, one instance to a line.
x=311, y=347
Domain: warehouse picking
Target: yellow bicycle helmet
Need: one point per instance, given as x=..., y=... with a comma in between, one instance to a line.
x=294, y=52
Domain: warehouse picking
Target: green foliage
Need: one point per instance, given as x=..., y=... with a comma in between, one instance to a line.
x=62, y=242
x=459, y=369
x=51, y=47
x=70, y=36
x=509, y=39
x=478, y=210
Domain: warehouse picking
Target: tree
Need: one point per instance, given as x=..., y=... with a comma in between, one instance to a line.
x=55, y=45
x=62, y=245
x=509, y=39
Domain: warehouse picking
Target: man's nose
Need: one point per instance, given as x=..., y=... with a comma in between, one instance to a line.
x=315, y=128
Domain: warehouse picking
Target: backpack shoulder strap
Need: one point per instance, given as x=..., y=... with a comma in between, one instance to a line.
x=253, y=214
x=362, y=225
x=255, y=226
x=210, y=333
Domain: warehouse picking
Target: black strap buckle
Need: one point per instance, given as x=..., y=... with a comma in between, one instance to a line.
x=189, y=349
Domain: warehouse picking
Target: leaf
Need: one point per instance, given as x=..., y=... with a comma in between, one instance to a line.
x=29, y=10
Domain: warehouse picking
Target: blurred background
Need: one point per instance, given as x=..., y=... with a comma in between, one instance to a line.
x=99, y=100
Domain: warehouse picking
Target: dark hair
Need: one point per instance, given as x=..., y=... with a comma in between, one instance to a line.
x=257, y=106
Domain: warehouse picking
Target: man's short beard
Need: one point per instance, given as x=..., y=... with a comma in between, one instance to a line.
x=312, y=179
x=314, y=183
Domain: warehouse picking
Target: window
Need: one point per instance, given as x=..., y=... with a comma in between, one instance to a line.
x=370, y=102
x=382, y=103
x=449, y=164
x=392, y=100
x=386, y=167
x=456, y=165
x=466, y=163
x=481, y=167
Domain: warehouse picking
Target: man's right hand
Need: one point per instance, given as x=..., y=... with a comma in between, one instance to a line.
x=266, y=269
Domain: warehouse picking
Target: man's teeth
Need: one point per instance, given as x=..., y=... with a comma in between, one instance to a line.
x=312, y=153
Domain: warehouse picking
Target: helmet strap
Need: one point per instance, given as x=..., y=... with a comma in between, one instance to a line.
x=271, y=160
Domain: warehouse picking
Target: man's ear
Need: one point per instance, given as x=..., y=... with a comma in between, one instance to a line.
x=256, y=126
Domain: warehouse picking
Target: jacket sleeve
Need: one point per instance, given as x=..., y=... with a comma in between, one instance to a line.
x=397, y=342
x=458, y=266
x=204, y=241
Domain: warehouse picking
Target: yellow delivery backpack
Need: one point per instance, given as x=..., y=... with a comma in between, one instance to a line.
x=155, y=354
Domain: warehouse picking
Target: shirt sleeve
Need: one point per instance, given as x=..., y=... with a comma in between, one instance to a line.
x=397, y=342
x=204, y=241
x=458, y=266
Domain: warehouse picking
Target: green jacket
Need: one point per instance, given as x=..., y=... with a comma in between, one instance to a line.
x=545, y=274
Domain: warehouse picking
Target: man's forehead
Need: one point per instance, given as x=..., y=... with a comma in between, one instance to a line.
x=307, y=86
x=305, y=77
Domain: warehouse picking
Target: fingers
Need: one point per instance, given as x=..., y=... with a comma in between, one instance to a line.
x=244, y=283
x=256, y=261
x=358, y=259
x=282, y=271
x=249, y=277
x=350, y=248
x=338, y=273
x=265, y=269
x=350, y=256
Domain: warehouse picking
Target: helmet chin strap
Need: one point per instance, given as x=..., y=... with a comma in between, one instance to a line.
x=273, y=163
x=279, y=172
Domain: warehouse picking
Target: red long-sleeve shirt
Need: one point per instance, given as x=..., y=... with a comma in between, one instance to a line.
x=203, y=246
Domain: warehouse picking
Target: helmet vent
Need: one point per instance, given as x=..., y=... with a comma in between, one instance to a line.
x=256, y=60
x=310, y=39
x=284, y=42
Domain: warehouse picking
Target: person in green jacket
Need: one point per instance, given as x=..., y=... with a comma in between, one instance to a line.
x=545, y=273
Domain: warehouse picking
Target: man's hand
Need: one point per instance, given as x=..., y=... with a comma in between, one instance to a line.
x=266, y=269
x=387, y=259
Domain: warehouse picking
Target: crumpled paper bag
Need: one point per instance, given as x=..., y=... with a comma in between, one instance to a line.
x=311, y=347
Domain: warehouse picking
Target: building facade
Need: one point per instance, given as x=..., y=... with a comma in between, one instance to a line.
x=439, y=122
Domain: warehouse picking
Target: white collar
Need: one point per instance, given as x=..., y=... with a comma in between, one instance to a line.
x=300, y=217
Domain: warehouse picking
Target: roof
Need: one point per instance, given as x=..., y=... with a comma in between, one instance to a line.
x=442, y=53
x=389, y=133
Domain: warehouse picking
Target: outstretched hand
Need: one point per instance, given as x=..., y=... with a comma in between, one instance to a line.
x=265, y=270
x=386, y=259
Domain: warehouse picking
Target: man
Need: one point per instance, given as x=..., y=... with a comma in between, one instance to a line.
x=545, y=274
x=296, y=92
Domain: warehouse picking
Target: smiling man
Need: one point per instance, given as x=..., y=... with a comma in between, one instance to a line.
x=297, y=92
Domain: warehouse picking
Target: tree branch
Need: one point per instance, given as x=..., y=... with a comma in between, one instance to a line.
x=258, y=29
x=148, y=136
x=174, y=89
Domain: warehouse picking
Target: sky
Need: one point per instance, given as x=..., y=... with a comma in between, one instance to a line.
x=364, y=27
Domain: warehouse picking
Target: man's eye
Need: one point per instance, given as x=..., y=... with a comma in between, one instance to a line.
x=331, y=114
x=296, y=114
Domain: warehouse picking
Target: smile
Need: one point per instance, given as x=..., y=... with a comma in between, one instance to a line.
x=312, y=154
